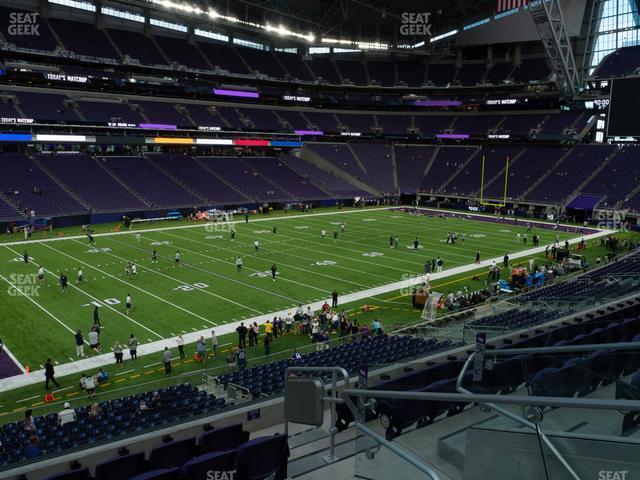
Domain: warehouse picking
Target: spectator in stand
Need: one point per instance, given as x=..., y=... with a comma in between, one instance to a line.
x=29, y=424
x=242, y=358
x=33, y=450
x=375, y=326
x=68, y=415
x=95, y=411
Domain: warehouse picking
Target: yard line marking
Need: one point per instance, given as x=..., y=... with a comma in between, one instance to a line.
x=312, y=272
x=125, y=372
x=91, y=296
x=180, y=282
x=27, y=399
x=192, y=265
x=152, y=364
x=137, y=288
x=158, y=346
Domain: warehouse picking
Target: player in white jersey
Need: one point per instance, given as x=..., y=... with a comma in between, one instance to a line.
x=41, y=275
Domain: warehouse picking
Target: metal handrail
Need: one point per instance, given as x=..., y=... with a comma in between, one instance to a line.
x=583, y=403
x=485, y=399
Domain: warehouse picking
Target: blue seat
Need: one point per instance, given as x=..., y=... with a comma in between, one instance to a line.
x=172, y=454
x=120, y=467
x=160, y=474
x=264, y=456
x=197, y=468
x=80, y=474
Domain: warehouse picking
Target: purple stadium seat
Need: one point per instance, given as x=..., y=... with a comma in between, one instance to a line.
x=120, y=467
x=261, y=457
x=223, y=439
x=197, y=468
x=160, y=474
x=172, y=454
x=80, y=474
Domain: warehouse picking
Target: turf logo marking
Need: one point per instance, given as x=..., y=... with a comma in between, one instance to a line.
x=301, y=227
x=266, y=273
x=25, y=284
x=373, y=254
x=505, y=230
x=106, y=301
x=324, y=263
x=262, y=231
x=158, y=243
x=478, y=235
x=189, y=288
x=213, y=237
x=368, y=219
x=99, y=250
x=21, y=259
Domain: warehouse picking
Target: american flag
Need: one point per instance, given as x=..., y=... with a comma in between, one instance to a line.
x=504, y=5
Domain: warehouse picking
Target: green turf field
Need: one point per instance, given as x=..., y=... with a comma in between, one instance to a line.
x=206, y=291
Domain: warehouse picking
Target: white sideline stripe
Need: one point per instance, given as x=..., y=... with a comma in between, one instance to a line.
x=197, y=225
x=87, y=294
x=131, y=285
x=158, y=346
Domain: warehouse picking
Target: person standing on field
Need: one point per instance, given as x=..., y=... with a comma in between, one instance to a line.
x=79, y=344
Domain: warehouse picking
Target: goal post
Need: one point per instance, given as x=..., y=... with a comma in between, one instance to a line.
x=506, y=184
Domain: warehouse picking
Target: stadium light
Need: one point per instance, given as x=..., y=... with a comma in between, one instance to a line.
x=215, y=15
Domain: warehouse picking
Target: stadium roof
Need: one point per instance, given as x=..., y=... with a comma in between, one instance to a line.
x=356, y=20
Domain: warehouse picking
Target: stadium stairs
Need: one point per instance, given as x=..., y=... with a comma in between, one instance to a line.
x=317, y=160
x=61, y=184
x=543, y=177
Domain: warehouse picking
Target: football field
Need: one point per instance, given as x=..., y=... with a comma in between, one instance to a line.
x=206, y=290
